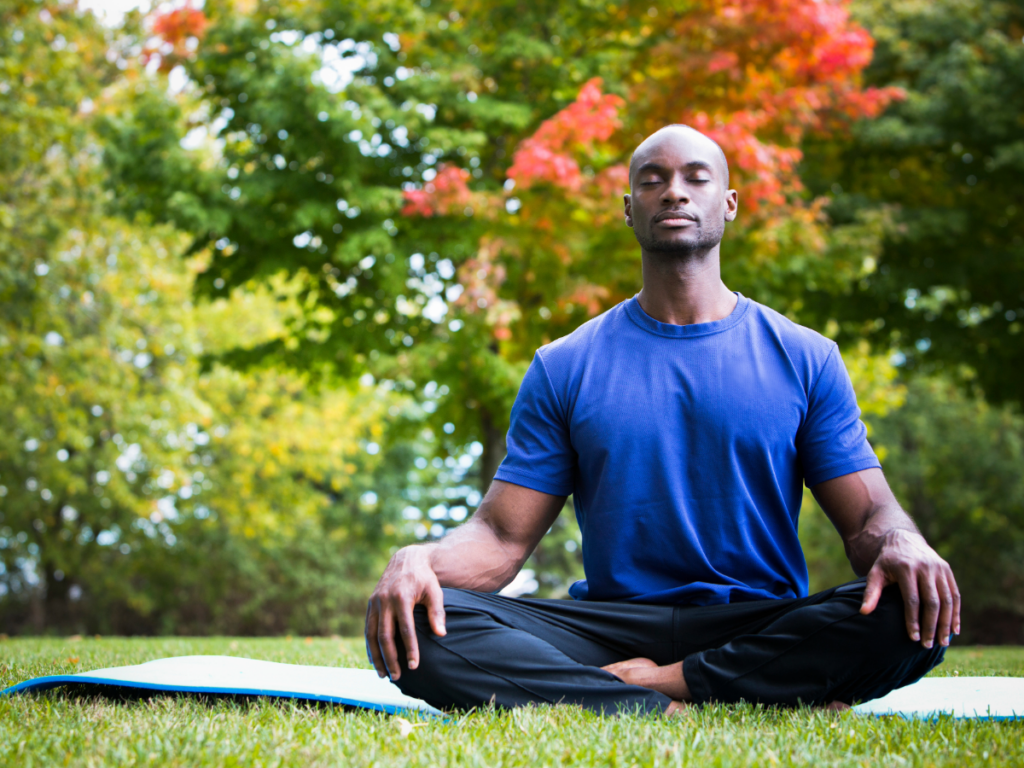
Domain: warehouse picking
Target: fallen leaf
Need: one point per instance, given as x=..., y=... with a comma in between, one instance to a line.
x=405, y=727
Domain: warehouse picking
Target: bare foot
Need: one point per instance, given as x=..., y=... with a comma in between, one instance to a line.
x=621, y=668
x=647, y=674
x=676, y=708
x=836, y=706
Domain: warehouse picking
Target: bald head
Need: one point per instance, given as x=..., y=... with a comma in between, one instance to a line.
x=679, y=199
x=668, y=133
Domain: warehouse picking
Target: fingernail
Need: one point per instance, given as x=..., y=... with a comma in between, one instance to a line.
x=927, y=643
x=413, y=664
x=916, y=636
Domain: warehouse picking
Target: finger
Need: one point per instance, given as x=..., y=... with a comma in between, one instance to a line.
x=945, y=624
x=955, y=590
x=372, y=647
x=386, y=642
x=929, y=608
x=873, y=590
x=407, y=627
x=435, y=610
x=911, y=604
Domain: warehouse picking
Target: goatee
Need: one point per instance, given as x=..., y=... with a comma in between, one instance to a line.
x=681, y=250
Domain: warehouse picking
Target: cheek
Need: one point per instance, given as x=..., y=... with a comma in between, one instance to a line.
x=714, y=204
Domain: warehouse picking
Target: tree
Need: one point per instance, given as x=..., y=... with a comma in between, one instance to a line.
x=454, y=205
x=138, y=492
x=948, y=287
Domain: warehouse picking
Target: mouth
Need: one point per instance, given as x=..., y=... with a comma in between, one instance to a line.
x=675, y=218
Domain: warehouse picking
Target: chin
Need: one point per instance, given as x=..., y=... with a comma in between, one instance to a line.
x=681, y=245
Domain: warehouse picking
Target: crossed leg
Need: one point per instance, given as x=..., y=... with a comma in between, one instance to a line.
x=815, y=650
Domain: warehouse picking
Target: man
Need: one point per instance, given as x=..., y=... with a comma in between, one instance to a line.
x=685, y=422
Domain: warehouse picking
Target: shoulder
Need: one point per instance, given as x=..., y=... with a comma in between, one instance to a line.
x=798, y=340
x=813, y=357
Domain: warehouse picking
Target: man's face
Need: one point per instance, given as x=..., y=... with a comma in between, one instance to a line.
x=679, y=202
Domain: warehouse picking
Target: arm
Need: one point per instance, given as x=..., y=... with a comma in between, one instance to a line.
x=484, y=554
x=883, y=543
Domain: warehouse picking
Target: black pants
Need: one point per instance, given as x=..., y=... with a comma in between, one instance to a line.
x=812, y=650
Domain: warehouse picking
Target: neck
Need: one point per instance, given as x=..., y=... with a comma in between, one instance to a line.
x=684, y=290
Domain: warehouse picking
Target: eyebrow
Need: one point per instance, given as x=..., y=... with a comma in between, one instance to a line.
x=692, y=165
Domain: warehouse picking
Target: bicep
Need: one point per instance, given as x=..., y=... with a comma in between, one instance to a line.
x=851, y=499
x=517, y=515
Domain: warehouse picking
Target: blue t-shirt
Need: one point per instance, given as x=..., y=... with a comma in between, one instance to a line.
x=686, y=448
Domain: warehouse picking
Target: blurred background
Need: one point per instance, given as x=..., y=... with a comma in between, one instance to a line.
x=271, y=272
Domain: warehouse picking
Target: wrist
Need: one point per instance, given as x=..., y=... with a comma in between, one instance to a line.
x=894, y=537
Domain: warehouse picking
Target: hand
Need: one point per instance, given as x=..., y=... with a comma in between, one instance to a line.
x=407, y=581
x=930, y=595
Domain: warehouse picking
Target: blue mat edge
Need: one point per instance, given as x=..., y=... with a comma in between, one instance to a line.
x=55, y=681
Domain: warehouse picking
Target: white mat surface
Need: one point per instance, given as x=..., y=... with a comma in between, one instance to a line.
x=997, y=698
x=232, y=675
x=986, y=698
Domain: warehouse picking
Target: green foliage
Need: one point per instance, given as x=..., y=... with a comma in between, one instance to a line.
x=954, y=462
x=151, y=239
x=90, y=366
x=326, y=114
x=66, y=727
x=127, y=474
x=140, y=490
x=947, y=164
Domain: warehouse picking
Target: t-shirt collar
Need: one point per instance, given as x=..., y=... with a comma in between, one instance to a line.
x=637, y=315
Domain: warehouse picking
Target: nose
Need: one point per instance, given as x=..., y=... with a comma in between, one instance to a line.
x=675, y=192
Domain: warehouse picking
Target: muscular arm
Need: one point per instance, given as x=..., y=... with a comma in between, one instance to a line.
x=883, y=543
x=484, y=554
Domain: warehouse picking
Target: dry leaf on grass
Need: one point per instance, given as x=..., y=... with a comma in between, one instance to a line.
x=405, y=727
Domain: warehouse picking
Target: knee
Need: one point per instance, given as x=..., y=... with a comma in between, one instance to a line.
x=891, y=615
x=891, y=625
x=417, y=682
x=465, y=618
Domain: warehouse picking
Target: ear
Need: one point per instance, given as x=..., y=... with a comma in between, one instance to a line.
x=628, y=205
x=731, y=205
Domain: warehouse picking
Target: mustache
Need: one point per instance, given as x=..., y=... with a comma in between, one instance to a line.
x=675, y=215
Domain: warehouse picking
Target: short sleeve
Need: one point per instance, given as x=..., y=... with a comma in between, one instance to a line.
x=540, y=455
x=833, y=441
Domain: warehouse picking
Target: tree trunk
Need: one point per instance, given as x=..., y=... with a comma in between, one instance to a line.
x=37, y=609
x=494, y=449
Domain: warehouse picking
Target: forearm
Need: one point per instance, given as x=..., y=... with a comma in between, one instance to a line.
x=866, y=514
x=883, y=544
x=474, y=556
x=883, y=524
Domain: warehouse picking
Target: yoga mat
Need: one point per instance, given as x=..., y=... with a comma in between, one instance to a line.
x=995, y=698
x=249, y=677
x=982, y=698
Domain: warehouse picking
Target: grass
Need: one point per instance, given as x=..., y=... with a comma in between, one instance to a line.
x=67, y=728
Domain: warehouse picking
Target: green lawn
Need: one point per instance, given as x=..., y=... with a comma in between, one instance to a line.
x=57, y=728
